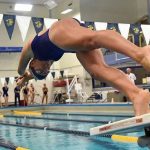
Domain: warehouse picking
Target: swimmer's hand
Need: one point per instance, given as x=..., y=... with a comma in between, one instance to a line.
x=23, y=79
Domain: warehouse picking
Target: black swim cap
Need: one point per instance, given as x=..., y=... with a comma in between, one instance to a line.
x=37, y=74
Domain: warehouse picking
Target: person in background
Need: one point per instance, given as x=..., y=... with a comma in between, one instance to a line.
x=78, y=89
x=17, y=95
x=0, y=99
x=59, y=96
x=45, y=93
x=5, y=93
x=25, y=92
x=32, y=93
x=131, y=75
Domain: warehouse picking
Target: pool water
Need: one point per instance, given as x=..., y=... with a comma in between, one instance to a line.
x=36, y=139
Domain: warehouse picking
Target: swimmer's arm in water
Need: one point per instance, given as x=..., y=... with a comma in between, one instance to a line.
x=25, y=57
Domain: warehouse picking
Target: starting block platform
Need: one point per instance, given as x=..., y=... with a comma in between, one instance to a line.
x=124, y=126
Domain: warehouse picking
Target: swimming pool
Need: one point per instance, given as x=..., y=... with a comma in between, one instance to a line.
x=37, y=139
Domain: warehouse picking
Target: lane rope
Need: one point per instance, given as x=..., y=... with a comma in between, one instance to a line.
x=57, y=119
x=117, y=138
x=10, y=145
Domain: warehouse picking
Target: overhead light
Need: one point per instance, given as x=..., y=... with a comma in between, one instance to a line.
x=23, y=7
x=66, y=11
x=50, y=4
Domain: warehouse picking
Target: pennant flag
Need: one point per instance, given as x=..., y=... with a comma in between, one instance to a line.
x=12, y=79
x=53, y=74
x=90, y=25
x=7, y=80
x=146, y=31
x=124, y=29
x=2, y=81
x=23, y=23
x=49, y=76
x=100, y=25
x=113, y=26
x=135, y=34
x=57, y=74
x=38, y=24
x=16, y=78
x=77, y=16
x=66, y=72
x=62, y=73
x=31, y=81
x=1, y=17
x=48, y=22
x=9, y=21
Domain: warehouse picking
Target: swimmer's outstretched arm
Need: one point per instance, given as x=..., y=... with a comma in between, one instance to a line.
x=25, y=57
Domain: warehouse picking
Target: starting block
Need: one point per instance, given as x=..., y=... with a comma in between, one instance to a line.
x=124, y=126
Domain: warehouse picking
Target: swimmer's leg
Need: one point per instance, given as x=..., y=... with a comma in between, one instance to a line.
x=46, y=99
x=94, y=63
x=43, y=99
x=77, y=38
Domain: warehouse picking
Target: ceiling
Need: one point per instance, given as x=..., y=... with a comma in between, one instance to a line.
x=39, y=9
x=23, y=1
x=36, y=2
x=92, y=10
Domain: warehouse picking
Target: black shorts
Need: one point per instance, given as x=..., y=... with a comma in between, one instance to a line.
x=5, y=95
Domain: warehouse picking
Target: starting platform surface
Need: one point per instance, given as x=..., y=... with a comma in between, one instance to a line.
x=124, y=126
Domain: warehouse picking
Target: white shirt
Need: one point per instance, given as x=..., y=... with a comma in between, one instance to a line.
x=132, y=77
x=78, y=87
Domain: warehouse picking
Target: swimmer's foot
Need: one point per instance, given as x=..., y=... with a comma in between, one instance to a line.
x=141, y=103
x=145, y=59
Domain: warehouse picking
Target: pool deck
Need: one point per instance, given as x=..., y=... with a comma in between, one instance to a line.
x=104, y=108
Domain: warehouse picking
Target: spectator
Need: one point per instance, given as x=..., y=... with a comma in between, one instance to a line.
x=131, y=75
x=25, y=92
x=5, y=93
x=32, y=93
x=45, y=93
x=17, y=95
x=59, y=96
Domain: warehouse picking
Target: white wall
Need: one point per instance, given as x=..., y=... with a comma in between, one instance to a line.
x=125, y=11
x=71, y=62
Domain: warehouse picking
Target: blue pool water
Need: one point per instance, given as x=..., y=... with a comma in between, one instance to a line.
x=36, y=139
x=101, y=118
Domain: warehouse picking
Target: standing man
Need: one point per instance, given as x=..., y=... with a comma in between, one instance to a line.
x=45, y=93
x=17, y=95
x=131, y=75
